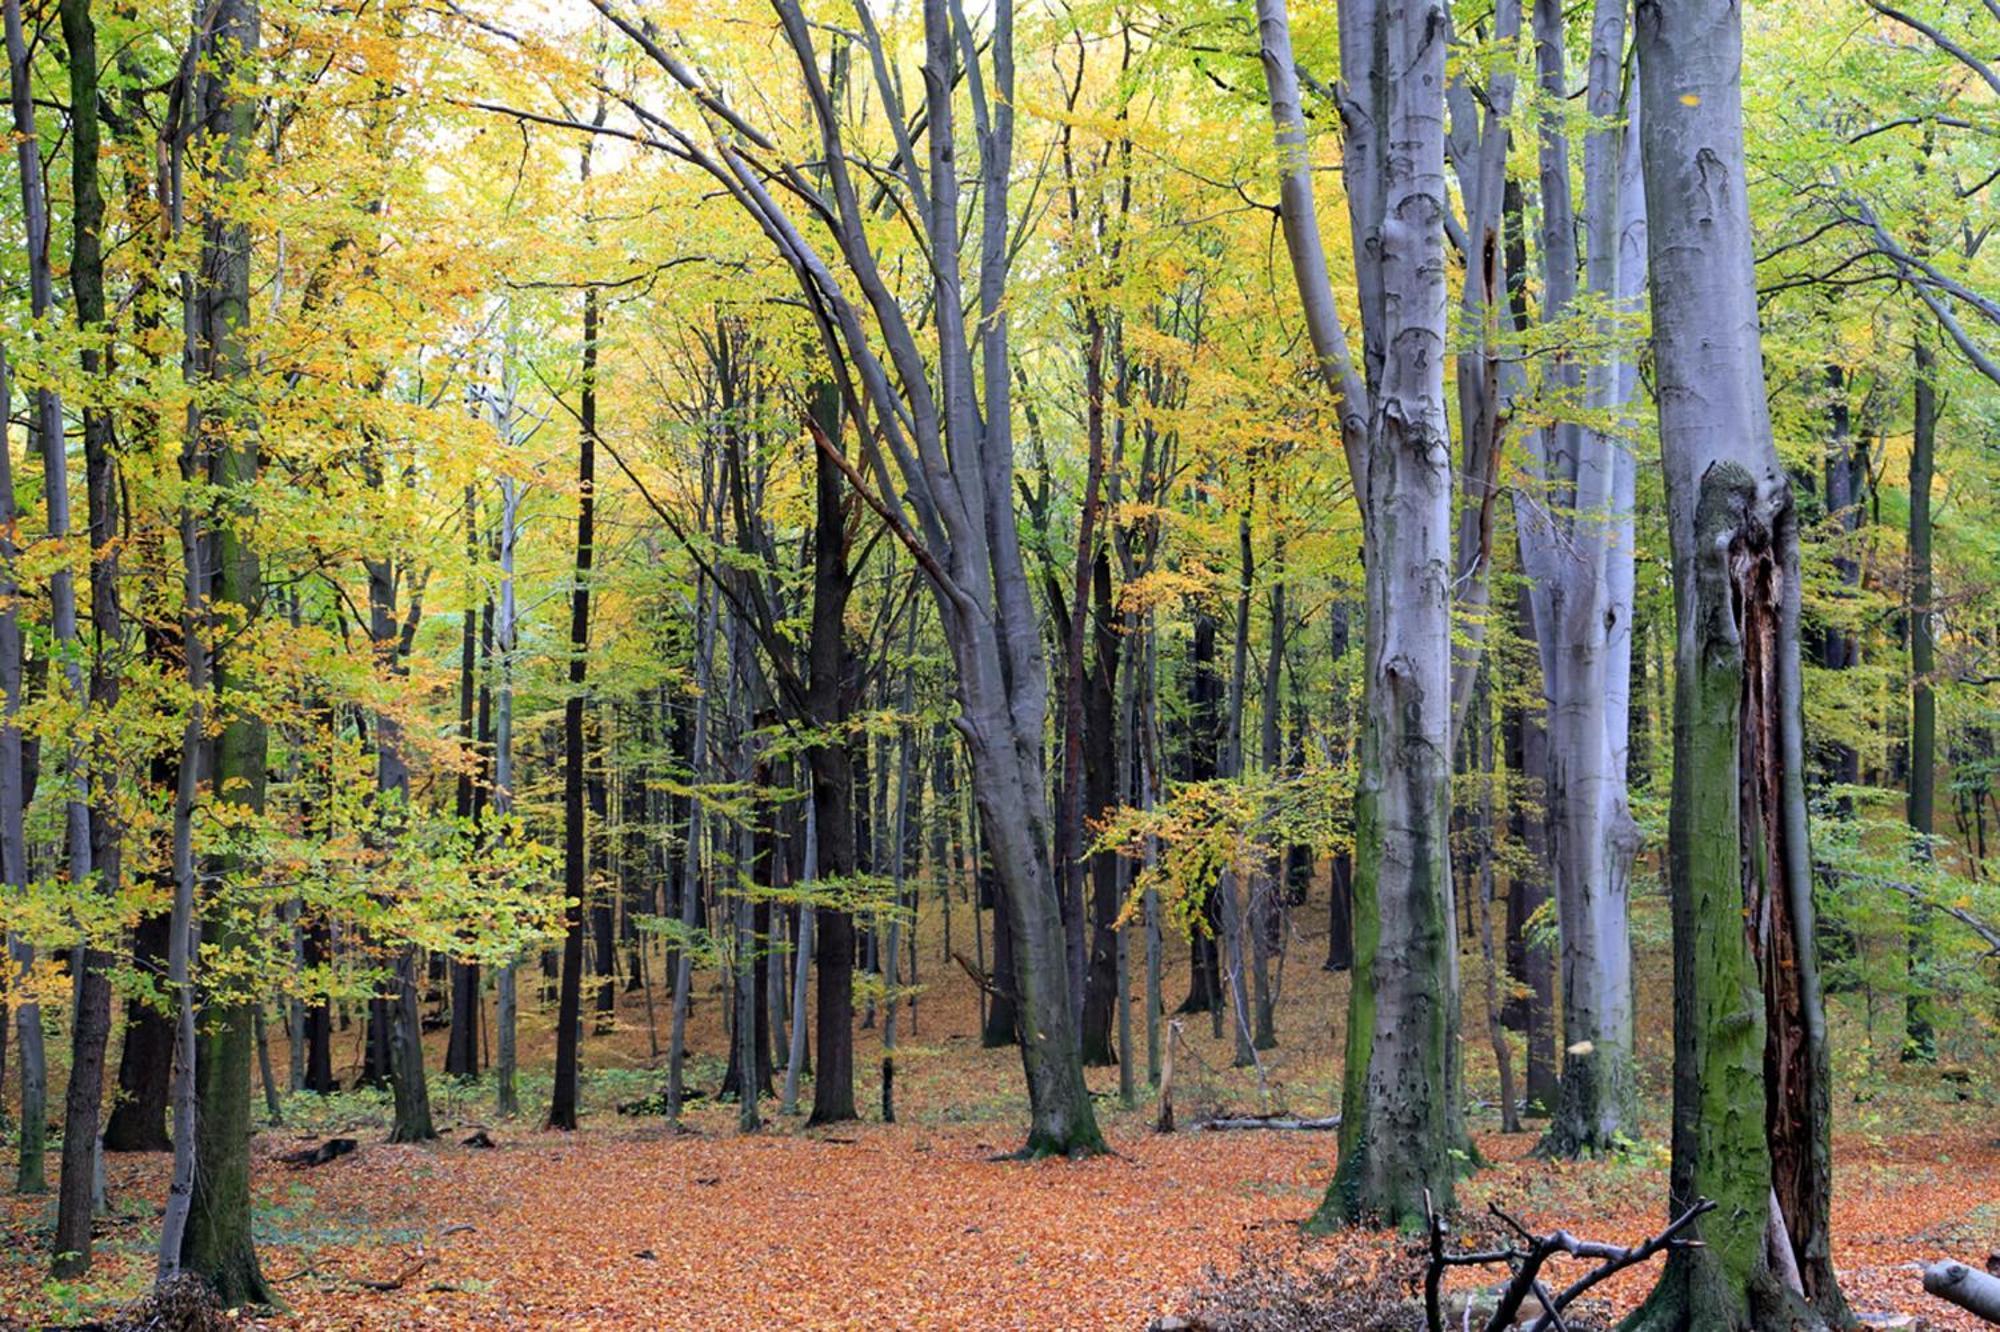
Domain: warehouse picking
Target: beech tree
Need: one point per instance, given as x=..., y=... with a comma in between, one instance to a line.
x=1401, y=1123
x=1751, y=1126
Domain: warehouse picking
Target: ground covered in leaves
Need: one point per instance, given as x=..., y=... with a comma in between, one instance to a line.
x=916, y=1225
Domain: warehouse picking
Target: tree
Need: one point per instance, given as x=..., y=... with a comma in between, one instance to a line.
x=1751, y=1119
x=218, y=1244
x=1401, y=1131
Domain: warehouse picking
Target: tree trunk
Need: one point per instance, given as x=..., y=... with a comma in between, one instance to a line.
x=138, y=1120
x=217, y=1245
x=1590, y=618
x=1100, y=793
x=1203, y=760
x=690, y=890
x=829, y=687
x=13, y=842
x=461, y=1051
x=1920, y=1038
x=91, y=1028
x=569, y=1015
x=1401, y=1125
x=1750, y=1083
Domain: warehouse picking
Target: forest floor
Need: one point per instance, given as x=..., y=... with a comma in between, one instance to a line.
x=916, y=1224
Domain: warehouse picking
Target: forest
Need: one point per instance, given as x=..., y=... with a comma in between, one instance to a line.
x=1231, y=665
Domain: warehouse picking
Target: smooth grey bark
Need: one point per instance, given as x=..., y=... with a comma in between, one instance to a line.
x=46, y=437
x=31, y=1053
x=1402, y=1127
x=1268, y=898
x=1487, y=379
x=947, y=433
x=1584, y=549
x=506, y=1015
x=1751, y=1118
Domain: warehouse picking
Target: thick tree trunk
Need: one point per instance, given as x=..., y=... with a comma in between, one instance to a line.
x=1750, y=1083
x=138, y=1119
x=1401, y=1123
x=217, y=1244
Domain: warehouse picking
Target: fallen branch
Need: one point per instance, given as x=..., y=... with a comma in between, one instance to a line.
x=1974, y=1292
x=1276, y=1123
x=1526, y=1265
x=979, y=977
x=398, y=1281
x=330, y=1150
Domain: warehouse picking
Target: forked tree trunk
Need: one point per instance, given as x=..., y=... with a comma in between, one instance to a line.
x=1750, y=1054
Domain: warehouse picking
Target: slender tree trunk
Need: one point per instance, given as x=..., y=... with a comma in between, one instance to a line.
x=506, y=991
x=1104, y=746
x=13, y=841
x=690, y=903
x=1496, y=1033
x=1268, y=900
x=461, y=1051
x=1204, y=759
x=1845, y=480
x=1919, y=1035
x=802, y=954
x=569, y=1011
x=1595, y=838
x=46, y=437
